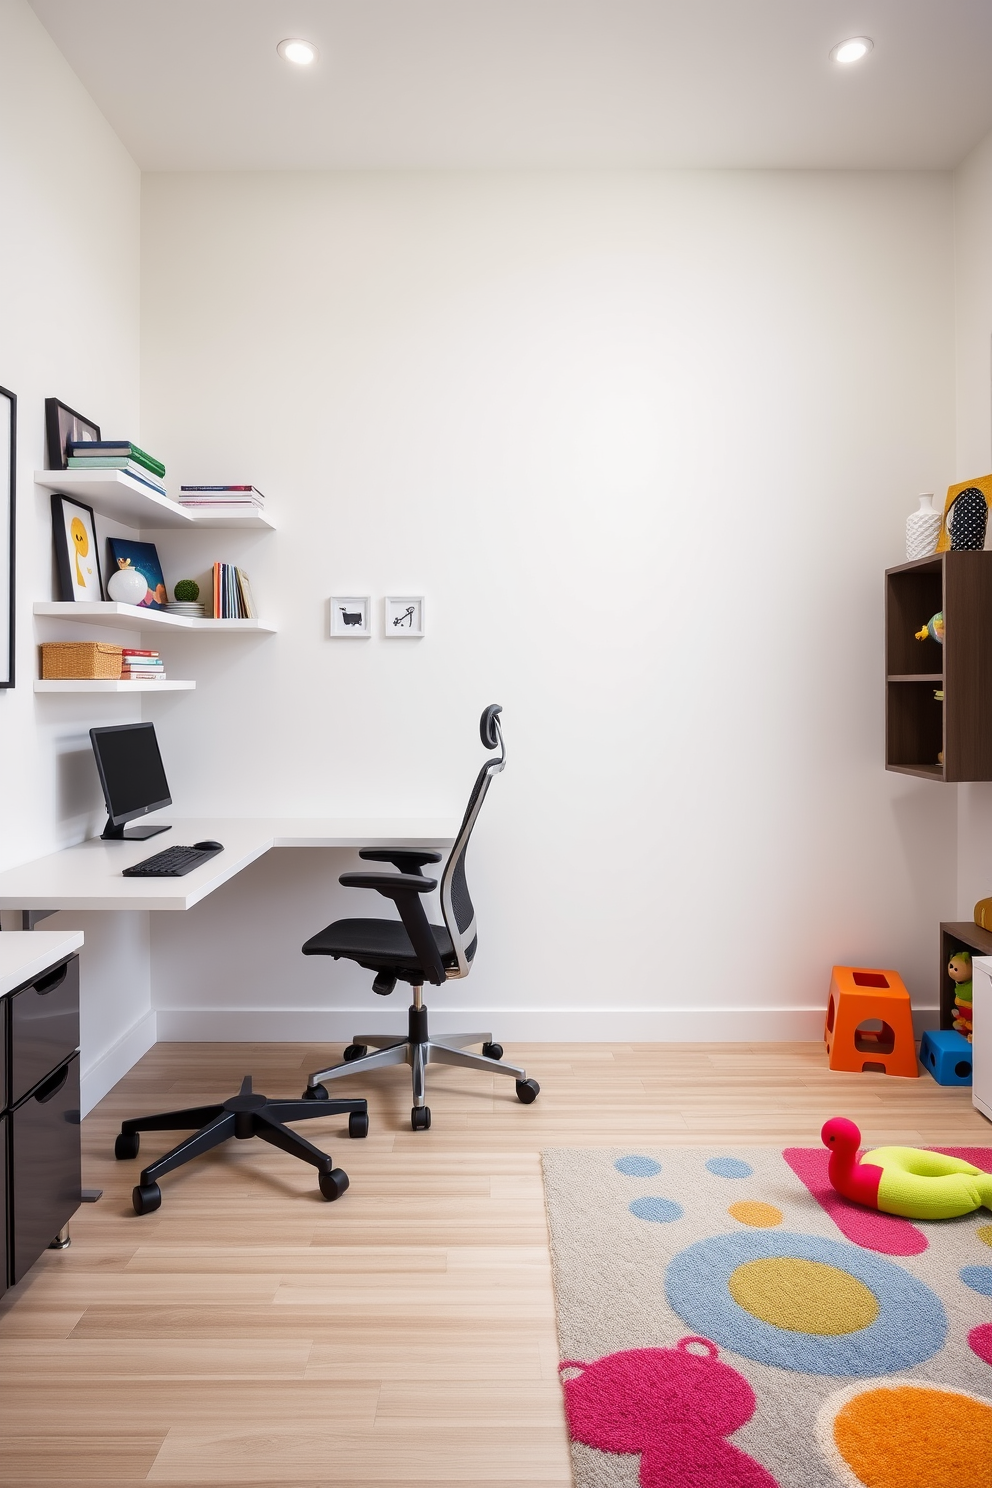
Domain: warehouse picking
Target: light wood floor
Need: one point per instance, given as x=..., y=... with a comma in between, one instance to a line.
x=249, y=1332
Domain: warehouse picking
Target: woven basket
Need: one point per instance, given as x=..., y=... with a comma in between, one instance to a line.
x=91, y=660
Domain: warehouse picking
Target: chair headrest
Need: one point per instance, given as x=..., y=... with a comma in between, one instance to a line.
x=488, y=727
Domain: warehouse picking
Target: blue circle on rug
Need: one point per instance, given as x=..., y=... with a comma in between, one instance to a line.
x=911, y=1324
x=979, y=1278
x=637, y=1167
x=729, y=1167
x=659, y=1211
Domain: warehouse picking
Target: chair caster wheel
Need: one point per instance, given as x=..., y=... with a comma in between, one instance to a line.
x=492, y=1051
x=127, y=1145
x=316, y=1092
x=420, y=1118
x=358, y=1124
x=333, y=1184
x=527, y=1091
x=146, y=1198
x=355, y=1051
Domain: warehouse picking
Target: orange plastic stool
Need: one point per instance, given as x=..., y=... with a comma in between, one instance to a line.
x=859, y=995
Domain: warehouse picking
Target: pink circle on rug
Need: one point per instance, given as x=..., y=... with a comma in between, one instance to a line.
x=980, y=1341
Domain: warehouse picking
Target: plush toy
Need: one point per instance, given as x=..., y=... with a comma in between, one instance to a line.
x=934, y=628
x=959, y=971
x=902, y=1180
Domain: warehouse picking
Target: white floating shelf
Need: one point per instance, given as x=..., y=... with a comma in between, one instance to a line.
x=115, y=494
x=124, y=617
x=82, y=684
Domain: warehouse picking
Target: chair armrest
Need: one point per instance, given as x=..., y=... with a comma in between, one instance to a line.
x=404, y=889
x=390, y=884
x=404, y=860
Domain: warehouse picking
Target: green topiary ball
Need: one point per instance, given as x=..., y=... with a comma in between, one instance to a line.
x=187, y=591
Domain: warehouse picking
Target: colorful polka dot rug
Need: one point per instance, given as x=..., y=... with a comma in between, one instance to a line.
x=725, y=1320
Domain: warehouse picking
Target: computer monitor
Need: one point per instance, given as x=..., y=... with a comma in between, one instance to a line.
x=133, y=778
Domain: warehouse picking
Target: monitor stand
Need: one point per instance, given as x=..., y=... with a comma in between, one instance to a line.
x=134, y=834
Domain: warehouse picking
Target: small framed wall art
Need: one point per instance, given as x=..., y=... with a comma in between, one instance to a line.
x=141, y=558
x=62, y=425
x=75, y=549
x=8, y=483
x=404, y=616
x=350, y=617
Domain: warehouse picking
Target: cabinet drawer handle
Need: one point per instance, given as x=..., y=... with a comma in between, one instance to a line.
x=52, y=1085
x=50, y=982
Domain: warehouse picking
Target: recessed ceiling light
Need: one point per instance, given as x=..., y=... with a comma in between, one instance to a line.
x=851, y=50
x=293, y=49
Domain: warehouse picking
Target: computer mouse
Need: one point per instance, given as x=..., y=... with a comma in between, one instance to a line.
x=209, y=846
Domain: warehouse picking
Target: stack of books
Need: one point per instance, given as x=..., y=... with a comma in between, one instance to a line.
x=232, y=594
x=244, y=499
x=118, y=454
x=142, y=666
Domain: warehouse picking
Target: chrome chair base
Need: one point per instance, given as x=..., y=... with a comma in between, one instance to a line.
x=418, y=1050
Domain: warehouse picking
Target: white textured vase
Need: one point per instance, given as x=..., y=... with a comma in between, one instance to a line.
x=127, y=586
x=922, y=529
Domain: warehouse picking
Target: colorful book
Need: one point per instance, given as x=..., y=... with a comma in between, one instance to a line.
x=129, y=467
x=132, y=651
x=220, y=490
x=121, y=449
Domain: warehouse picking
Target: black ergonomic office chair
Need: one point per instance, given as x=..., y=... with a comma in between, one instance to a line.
x=412, y=950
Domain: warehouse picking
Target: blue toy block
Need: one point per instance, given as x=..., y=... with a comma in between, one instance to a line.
x=946, y=1055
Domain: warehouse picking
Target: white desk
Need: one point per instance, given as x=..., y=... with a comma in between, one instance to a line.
x=88, y=876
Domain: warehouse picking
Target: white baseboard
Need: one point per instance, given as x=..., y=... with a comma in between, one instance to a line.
x=524, y=1025
x=112, y=1066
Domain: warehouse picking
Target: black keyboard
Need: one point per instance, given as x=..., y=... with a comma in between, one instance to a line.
x=171, y=862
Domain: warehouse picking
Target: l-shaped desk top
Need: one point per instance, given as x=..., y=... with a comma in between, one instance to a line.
x=88, y=876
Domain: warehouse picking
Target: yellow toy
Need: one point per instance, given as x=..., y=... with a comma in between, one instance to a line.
x=934, y=628
x=903, y=1180
x=959, y=971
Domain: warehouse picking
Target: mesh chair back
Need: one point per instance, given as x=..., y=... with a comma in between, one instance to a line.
x=456, y=901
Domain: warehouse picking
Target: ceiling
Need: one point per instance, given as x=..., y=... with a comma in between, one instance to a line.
x=194, y=85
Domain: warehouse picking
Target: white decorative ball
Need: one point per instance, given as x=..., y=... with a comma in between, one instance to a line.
x=127, y=586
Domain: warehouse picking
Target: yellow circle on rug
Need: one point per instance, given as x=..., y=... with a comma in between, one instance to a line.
x=909, y=1436
x=803, y=1296
x=984, y=1232
x=758, y=1216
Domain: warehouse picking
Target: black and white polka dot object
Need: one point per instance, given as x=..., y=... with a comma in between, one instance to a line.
x=971, y=515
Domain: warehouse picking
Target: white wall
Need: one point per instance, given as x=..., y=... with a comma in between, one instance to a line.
x=69, y=306
x=973, y=387
x=646, y=442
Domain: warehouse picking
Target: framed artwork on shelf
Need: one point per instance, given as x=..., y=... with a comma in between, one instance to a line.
x=61, y=425
x=8, y=489
x=351, y=617
x=142, y=558
x=404, y=616
x=74, y=534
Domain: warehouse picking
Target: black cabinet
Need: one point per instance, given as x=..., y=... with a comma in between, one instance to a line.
x=45, y=1170
x=39, y=1122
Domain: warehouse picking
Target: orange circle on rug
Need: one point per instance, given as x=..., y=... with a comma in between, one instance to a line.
x=758, y=1216
x=803, y=1296
x=984, y=1232
x=909, y=1436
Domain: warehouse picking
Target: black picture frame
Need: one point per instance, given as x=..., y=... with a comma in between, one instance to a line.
x=63, y=423
x=83, y=559
x=8, y=512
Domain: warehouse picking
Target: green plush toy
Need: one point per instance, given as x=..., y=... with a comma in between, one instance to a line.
x=187, y=591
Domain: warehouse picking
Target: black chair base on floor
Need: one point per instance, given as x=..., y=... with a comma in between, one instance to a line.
x=246, y=1114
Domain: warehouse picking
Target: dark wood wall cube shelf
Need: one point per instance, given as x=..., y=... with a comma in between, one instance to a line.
x=917, y=725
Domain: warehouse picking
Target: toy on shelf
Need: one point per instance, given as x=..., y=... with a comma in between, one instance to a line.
x=934, y=629
x=902, y=1180
x=959, y=971
x=983, y=914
